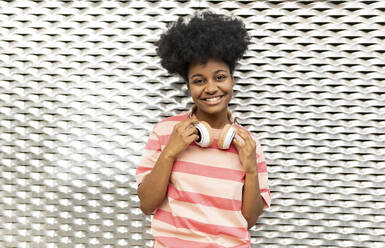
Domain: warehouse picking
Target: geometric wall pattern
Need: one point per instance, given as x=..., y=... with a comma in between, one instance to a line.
x=81, y=88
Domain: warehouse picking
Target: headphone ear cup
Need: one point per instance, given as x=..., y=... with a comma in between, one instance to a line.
x=205, y=134
x=226, y=137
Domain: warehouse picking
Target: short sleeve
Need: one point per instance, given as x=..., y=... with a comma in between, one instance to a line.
x=262, y=174
x=149, y=157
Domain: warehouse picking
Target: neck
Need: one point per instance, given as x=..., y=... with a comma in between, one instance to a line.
x=217, y=120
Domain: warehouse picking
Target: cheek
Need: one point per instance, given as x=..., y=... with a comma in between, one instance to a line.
x=230, y=95
x=194, y=93
x=230, y=91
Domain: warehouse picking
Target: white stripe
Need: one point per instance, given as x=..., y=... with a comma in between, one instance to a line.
x=205, y=214
x=208, y=186
x=163, y=229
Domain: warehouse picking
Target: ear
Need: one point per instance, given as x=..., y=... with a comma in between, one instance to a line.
x=188, y=87
x=232, y=80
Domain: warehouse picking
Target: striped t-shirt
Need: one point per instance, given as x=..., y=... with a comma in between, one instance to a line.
x=204, y=197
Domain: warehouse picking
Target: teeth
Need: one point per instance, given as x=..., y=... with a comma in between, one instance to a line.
x=213, y=99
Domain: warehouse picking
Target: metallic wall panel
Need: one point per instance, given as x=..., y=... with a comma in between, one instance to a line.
x=81, y=87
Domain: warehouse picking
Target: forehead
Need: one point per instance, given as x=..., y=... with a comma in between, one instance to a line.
x=211, y=66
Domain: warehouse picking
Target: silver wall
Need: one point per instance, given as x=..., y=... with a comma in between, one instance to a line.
x=81, y=87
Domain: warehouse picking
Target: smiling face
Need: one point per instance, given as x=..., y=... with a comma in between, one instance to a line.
x=211, y=86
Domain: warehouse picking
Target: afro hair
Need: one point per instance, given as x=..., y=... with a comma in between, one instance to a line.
x=205, y=36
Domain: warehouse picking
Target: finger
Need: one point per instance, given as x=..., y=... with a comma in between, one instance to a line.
x=192, y=138
x=185, y=125
x=190, y=126
x=249, y=139
x=244, y=135
x=238, y=140
x=237, y=143
x=193, y=117
x=189, y=121
x=191, y=130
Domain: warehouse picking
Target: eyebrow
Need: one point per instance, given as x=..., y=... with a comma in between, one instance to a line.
x=198, y=74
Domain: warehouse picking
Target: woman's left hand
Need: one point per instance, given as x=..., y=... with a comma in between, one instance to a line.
x=246, y=150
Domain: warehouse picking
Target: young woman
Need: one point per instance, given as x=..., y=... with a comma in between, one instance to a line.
x=206, y=186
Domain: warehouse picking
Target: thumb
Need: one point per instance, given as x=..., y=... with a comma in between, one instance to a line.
x=236, y=143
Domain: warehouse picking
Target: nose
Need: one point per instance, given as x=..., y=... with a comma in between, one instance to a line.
x=211, y=87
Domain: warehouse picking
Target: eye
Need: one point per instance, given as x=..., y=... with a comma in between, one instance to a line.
x=198, y=81
x=221, y=77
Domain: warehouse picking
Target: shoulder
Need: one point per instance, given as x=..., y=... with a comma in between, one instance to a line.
x=169, y=122
x=253, y=135
x=175, y=118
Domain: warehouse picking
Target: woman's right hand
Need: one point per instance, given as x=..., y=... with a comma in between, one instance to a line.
x=181, y=137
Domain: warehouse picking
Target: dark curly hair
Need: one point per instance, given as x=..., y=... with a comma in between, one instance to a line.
x=205, y=36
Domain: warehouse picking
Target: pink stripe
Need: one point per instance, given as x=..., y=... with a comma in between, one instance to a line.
x=208, y=171
x=152, y=145
x=211, y=201
x=178, y=243
x=262, y=167
x=264, y=190
x=182, y=222
x=214, y=145
x=163, y=139
x=180, y=117
x=142, y=169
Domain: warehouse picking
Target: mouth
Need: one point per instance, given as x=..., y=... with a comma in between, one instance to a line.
x=212, y=100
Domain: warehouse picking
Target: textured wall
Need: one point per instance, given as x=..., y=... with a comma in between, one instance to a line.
x=81, y=87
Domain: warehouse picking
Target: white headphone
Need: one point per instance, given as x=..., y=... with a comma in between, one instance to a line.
x=205, y=133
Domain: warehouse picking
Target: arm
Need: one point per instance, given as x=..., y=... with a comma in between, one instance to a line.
x=252, y=202
x=153, y=189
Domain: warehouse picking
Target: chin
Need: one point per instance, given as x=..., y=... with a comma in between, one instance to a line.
x=212, y=109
